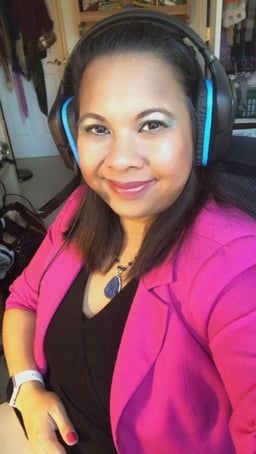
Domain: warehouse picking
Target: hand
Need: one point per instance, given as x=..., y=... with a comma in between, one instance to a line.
x=43, y=414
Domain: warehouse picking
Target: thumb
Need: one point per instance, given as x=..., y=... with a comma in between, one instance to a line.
x=64, y=425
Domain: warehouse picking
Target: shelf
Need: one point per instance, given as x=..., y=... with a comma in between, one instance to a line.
x=90, y=17
x=245, y=123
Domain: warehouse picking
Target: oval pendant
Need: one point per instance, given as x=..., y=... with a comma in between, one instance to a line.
x=113, y=287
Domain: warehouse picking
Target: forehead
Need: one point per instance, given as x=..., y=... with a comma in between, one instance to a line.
x=129, y=69
x=121, y=86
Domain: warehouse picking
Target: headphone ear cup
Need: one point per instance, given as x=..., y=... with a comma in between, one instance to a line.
x=56, y=126
x=204, y=109
x=68, y=117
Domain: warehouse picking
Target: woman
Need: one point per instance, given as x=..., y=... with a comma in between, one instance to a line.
x=137, y=314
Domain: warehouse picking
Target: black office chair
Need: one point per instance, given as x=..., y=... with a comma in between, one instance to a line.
x=238, y=176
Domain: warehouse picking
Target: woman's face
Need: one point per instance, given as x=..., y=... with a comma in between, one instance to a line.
x=134, y=136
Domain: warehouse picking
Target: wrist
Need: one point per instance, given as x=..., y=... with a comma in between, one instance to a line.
x=24, y=378
x=29, y=391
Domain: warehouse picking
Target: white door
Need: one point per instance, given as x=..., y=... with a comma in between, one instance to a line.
x=198, y=21
x=215, y=25
x=31, y=137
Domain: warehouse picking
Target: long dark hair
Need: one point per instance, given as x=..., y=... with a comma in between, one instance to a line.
x=97, y=232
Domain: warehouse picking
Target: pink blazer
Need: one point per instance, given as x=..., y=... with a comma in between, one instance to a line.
x=185, y=375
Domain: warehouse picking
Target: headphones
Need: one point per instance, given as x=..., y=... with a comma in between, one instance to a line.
x=215, y=104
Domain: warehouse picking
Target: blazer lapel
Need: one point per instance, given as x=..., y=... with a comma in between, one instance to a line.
x=141, y=343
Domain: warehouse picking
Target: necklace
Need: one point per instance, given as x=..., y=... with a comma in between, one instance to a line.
x=114, y=286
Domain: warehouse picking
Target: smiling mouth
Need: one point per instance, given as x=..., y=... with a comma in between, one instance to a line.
x=131, y=188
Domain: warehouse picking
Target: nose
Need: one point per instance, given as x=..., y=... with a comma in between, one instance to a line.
x=124, y=152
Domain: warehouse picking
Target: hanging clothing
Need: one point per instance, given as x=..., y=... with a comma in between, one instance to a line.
x=244, y=45
x=250, y=21
x=30, y=23
x=233, y=12
x=20, y=95
x=5, y=54
x=36, y=73
x=33, y=20
x=9, y=36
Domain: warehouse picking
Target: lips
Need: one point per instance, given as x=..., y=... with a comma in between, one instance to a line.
x=130, y=188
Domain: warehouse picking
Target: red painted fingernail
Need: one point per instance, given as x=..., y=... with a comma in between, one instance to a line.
x=71, y=437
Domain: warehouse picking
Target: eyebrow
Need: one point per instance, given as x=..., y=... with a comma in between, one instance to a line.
x=95, y=116
x=140, y=115
x=146, y=112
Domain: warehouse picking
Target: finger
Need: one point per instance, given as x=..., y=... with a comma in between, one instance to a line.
x=71, y=438
x=64, y=425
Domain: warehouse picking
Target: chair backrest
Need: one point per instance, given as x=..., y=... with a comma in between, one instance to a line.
x=238, y=176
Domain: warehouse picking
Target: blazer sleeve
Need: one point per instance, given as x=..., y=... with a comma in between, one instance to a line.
x=24, y=290
x=217, y=294
x=232, y=341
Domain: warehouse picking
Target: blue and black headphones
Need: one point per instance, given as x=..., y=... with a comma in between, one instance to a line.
x=214, y=105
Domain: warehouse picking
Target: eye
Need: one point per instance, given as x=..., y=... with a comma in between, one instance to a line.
x=98, y=130
x=152, y=125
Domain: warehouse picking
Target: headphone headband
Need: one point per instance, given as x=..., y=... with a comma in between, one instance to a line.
x=149, y=16
x=215, y=101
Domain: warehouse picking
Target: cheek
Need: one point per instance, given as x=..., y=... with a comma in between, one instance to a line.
x=174, y=159
x=86, y=160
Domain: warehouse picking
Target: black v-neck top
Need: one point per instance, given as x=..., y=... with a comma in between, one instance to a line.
x=81, y=354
